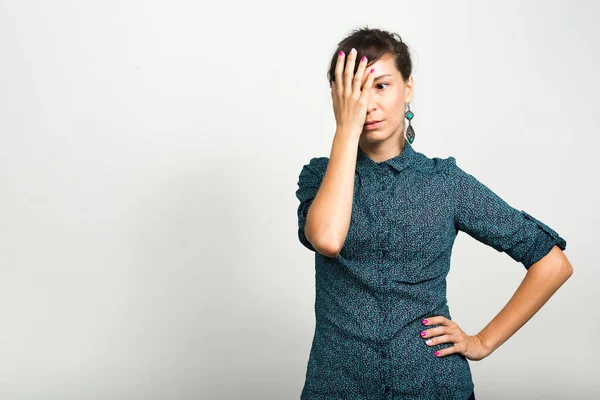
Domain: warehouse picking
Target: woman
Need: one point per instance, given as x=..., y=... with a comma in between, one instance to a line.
x=382, y=219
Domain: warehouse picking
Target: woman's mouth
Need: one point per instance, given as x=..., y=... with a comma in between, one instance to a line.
x=373, y=125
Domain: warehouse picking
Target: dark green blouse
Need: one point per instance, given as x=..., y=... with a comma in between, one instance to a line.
x=391, y=274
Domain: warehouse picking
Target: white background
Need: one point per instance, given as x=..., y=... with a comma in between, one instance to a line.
x=149, y=155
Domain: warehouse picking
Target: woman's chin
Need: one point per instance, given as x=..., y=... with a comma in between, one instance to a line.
x=374, y=135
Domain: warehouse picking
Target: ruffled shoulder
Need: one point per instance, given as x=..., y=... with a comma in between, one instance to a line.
x=310, y=178
x=447, y=165
x=316, y=167
x=434, y=165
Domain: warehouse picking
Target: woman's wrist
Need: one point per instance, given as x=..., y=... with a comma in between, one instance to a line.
x=347, y=134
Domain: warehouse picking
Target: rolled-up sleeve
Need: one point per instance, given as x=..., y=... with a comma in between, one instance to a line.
x=309, y=181
x=483, y=215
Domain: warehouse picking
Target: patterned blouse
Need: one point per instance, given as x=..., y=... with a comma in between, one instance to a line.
x=391, y=274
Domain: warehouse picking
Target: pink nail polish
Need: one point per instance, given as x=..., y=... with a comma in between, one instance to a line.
x=341, y=53
x=423, y=333
x=363, y=58
x=424, y=322
x=437, y=353
x=372, y=70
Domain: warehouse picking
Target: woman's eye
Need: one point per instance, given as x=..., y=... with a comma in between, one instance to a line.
x=381, y=84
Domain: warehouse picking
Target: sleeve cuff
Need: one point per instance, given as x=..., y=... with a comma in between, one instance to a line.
x=546, y=239
x=305, y=241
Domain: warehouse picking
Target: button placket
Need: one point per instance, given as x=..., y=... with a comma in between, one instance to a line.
x=382, y=239
x=383, y=180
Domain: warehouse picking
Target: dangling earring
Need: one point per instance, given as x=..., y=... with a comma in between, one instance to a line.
x=410, y=132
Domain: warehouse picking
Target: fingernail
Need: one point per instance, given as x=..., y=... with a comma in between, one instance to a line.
x=341, y=53
x=423, y=333
x=424, y=322
x=363, y=58
x=437, y=353
x=428, y=341
x=372, y=70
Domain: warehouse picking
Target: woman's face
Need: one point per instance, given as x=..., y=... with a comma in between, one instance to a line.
x=386, y=102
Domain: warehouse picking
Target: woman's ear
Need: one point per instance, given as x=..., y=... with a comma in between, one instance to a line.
x=409, y=89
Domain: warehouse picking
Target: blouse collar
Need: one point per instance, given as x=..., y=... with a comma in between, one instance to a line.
x=399, y=162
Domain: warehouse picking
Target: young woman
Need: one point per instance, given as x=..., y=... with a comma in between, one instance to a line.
x=382, y=218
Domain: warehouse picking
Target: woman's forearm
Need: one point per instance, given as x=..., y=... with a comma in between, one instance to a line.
x=542, y=280
x=328, y=218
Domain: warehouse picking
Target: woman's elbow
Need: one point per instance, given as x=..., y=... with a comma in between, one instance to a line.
x=323, y=244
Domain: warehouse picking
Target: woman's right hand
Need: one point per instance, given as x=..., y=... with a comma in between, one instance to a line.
x=349, y=99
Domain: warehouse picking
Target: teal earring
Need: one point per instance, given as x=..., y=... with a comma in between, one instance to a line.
x=410, y=132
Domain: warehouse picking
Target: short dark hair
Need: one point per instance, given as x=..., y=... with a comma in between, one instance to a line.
x=374, y=44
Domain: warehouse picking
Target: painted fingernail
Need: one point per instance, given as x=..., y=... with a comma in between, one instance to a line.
x=372, y=70
x=363, y=58
x=428, y=341
x=423, y=333
x=437, y=353
x=341, y=53
x=424, y=322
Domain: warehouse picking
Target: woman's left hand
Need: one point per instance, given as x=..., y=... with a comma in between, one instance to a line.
x=470, y=346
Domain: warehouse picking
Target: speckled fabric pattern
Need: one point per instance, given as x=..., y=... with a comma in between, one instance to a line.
x=391, y=274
